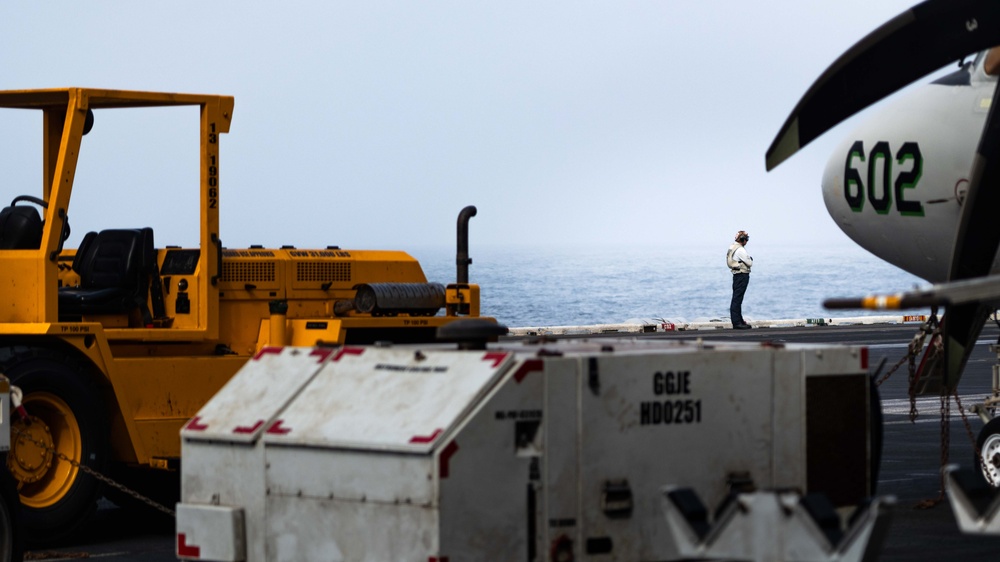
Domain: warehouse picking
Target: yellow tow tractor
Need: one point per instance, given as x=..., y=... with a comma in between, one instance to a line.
x=116, y=344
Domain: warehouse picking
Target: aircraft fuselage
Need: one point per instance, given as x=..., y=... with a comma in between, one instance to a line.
x=896, y=185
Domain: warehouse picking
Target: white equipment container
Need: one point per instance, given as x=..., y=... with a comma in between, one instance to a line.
x=11, y=539
x=525, y=451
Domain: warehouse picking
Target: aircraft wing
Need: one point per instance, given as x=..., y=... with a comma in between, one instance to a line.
x=984, y=290
x=919, y=41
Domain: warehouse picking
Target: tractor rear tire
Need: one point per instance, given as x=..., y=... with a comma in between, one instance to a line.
x=68, y=418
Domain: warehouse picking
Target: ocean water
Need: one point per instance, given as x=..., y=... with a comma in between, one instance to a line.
x=550, y=286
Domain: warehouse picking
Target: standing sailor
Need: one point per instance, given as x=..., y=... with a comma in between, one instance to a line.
x=739, y=262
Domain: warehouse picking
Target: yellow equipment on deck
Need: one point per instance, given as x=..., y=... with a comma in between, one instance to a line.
x=116, y=344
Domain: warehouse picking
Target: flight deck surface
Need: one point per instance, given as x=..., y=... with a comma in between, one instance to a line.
x=910, y=469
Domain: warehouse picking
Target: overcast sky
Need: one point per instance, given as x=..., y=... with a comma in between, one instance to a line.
x=371, y=124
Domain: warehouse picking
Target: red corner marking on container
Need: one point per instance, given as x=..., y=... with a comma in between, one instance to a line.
x=321, y=352
x=276, y=429
x=437, y=559
x=347, y=351
x=266, y=350
x=185, y=549
x=195, y=425
x=444, y=461
x=864, y=358
x=496, y=357
x=419, y=439
x=248, y=428
x=527, y=367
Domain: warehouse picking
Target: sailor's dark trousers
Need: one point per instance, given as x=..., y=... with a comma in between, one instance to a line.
x=740, y=282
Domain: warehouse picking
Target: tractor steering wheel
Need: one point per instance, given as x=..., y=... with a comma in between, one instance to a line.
x=31, y=198
x=43, y=204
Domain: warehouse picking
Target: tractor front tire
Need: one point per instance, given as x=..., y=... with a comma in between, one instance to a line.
x=67, y=429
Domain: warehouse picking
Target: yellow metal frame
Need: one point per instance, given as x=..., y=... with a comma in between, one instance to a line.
x=29, y=277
